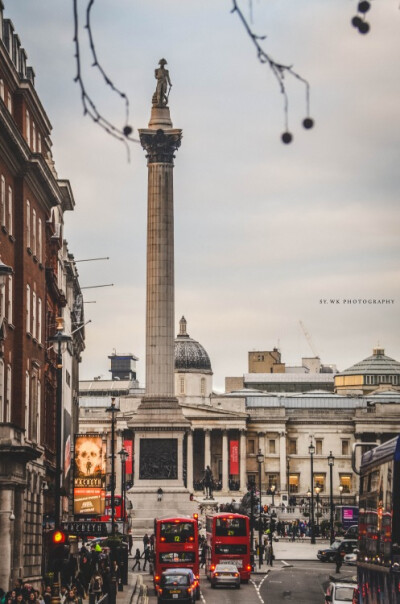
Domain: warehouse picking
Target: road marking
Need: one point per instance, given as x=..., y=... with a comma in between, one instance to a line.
x=202, y=598
x=257, y=587
x=274, y=581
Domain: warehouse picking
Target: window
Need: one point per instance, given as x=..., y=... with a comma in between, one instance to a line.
x=292, y=446
x=318, y=446
x=9, y=102
x=272, y=480
x=320, y=481
x=34, y=232
x=3, y=200
x=39, y=398
x=251, y=446
x=1, y=390
x=345, y=481
x=2, y=89
x=28, y=223
x=203, y=386
x=39, y=143
x=7, y=410
x=10, y=211
x=39, y=324
x=345, y=447
x=10, y=300
x=27, y=387
x=39, y=241
x=33, y=315
x=28, y=309
x=28, y=127
x=294, y=483
x=34, y=407
x=34, y=137
x=272, y=446
x=181, y=385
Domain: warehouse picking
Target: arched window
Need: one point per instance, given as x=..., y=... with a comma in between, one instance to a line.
x=28, y=308
x=28, y=223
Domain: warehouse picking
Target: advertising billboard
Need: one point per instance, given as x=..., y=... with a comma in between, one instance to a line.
x=89, y=474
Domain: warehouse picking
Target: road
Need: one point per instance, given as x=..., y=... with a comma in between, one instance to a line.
x=303, y=583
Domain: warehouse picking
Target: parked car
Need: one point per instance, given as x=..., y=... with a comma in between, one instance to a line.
x=340, y=592
x=225, y=574
x=351, y=559
x=329, y=553
x=352, y=532
x=177, y=584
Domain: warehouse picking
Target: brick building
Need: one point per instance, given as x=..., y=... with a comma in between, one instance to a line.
x=43, y=284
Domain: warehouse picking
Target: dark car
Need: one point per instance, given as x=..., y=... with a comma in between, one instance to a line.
x=177, y=585
x=346, y=546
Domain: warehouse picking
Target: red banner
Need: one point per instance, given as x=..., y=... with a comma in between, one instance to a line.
x=129, y=464
x=234, y=457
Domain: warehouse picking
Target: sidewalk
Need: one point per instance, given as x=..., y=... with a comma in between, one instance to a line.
x=290, y=551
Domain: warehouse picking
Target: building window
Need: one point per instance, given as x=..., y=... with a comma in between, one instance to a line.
x=1, y=89
x=28, y=127
x=181, y=385
x=272, y=446
x=318, y=446
x=34, y=232
x=33, y=315
x=10, y=211
x=38, y=407
x=34, y=408
x=7, y=410
x=34, y=137
x=39, y=241
x=28, y=309
x=272, y=480
x=28, y=223
x=292, y=446
x=39, y=143
x=251, y=446
x=39, y=323
x=320, y=481
x=345, y=447
x=345, y=481
x=27, y=385
x=10, y=300
x=9, y=102
x=203, y=386
x=1, y=390
x=3, y=201
x=294, y=483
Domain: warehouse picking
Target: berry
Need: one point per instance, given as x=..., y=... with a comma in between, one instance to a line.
x=127, y=130
x=287, y=138
x=363, y=28
x=308, y=123
x=364, y=6
x=356, y=21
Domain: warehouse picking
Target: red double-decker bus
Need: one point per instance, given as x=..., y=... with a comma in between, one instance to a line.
x=118, y=509
x=176, y=545
x=228, y=541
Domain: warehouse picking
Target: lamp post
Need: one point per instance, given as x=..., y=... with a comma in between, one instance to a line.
x=260, y=459
x=112, y=410
x=288, y=474
x=124, y=458
x=317, y=491
x=331, y=462
x=59, y=338
x=252, y=487
x=311, y=450
x=341, y=491
x=273, y=487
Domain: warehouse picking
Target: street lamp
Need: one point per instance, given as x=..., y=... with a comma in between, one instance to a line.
x=273, y=487
x=317, y=491
x=288, y=474
x=124, y=458
x=112, y=410
x=260, y=459
x=311, y=450
x=331, y=462
x=59, y=338
x=341, y=491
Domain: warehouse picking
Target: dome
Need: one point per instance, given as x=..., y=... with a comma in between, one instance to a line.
x=189, y=354
x=377, y=364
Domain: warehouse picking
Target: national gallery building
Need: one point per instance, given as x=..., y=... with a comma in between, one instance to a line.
x=228, y=431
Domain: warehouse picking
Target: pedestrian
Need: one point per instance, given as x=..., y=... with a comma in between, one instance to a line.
x=71, y=599
x=339, y=559
x=269, y=557
x=130, y=542
x=95, y=588
x=137, y=559
x=146, y=556
x=203, y=556
x=152, y=538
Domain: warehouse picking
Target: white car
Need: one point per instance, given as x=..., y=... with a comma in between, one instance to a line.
x=350, y=559
x=340, y=592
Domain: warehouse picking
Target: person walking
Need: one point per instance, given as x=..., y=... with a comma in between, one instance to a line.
x=95, y=588
x=203, y=555
x=146, y=556
x=339, y=560
x=269, y=557
x=137, y=559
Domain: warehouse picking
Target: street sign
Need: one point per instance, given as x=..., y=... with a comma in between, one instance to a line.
x=84, y=528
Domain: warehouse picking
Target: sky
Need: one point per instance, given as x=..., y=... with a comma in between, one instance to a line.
x=264, y=232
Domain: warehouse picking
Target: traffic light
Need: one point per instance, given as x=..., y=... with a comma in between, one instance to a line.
x=58, y=548
x=196, y=517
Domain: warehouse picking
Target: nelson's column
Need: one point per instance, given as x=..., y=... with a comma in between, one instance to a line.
x=162, y=433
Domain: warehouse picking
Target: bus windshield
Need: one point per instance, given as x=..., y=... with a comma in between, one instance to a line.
x=230, y=527
x=176, y=532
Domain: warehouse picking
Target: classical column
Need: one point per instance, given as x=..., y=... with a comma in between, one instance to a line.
x=282, y=461
x=225, y=460
x=243, y=459
x=189, y=456
x=207, y=448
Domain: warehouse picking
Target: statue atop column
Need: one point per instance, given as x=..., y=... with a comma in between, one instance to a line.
x=208, y=482
x=160, y=97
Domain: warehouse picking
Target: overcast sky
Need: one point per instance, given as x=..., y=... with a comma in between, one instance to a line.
x=263, y=231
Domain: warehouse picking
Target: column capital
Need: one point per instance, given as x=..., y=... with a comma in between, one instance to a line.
x=160, y=145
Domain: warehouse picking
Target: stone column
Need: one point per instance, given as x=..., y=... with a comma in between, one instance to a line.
x=225, y=461
x=282, y=462
x=207, y=448
x=7, y=536
x=189, y=457
x=243, y=460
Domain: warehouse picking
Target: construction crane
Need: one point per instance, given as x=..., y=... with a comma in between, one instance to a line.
x=309, y=340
